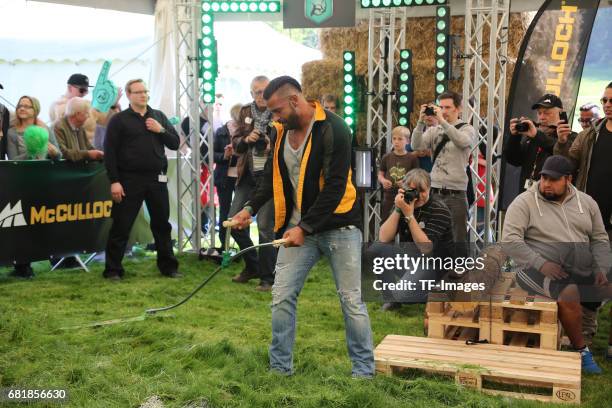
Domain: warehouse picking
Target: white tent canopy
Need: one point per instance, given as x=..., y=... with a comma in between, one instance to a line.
x=42, y=44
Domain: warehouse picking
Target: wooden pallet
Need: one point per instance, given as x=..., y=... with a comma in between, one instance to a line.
x=512, y=311
x=507, y=316
x=485, y=366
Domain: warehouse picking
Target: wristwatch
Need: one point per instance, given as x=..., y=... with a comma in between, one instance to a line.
x=409, y=218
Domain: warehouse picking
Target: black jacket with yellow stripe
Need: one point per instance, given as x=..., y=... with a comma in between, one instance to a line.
x=327, y=198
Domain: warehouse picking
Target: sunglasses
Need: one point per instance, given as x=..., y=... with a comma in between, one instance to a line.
x=585, y=120
x=605, y=100
x=83, y=90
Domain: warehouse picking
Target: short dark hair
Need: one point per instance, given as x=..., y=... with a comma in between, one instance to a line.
x=329, y=98
x=456, y=97
x=278, y=83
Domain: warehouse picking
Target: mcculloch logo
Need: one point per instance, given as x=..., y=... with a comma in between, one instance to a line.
x=560, y=49
x=70, y=212
x=12, y=216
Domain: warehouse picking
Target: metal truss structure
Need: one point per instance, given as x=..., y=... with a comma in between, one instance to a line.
x=386, y=37
x=187, y=33
x=485, y=77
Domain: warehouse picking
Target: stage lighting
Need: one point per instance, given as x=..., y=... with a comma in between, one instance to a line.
x=443, y=59
x=208, y=58
x=349, y=101
x=399, y=3
x=405, y=90
x=207, y=47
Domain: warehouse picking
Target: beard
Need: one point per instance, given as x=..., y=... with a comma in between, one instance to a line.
x=551, y=196
x=293, y=121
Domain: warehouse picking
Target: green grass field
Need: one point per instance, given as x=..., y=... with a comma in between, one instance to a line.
x=213, y=351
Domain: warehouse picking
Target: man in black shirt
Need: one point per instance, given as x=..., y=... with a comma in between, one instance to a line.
x=136, y=165
x=426, y=221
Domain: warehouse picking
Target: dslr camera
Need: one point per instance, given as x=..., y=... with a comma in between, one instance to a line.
x=260, y=144
x=410, y=195
x=522, y=127
x=429, y=111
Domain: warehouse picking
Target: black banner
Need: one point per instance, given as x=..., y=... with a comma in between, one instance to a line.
x=550, y=60
x=52, y=208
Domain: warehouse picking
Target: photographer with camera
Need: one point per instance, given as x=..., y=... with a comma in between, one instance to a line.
x=451, y=141
x=530, y=143
x=420, y=218
x=252, y=145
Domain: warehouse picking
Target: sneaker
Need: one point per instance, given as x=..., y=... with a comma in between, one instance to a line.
x=264, y=287
x=390, y=306
x=589, y=366
x=244, y=276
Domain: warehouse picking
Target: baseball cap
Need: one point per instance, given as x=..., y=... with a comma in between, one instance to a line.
x=548, y=101
x=557, y=166
x=79, y=80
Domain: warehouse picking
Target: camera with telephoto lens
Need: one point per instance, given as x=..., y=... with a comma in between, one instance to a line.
x=429, y=111
x=410, y=195
x=522, y=127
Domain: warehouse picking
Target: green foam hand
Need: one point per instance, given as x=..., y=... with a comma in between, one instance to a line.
x=36, y=139
x=105, y=93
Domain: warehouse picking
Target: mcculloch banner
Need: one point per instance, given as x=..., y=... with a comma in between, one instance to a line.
x=550, y=61
x=52, y=208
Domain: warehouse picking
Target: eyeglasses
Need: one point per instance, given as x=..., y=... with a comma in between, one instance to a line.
x=25, y=107
x=257, y=93
x=605, y=100
x=585, y=120
x=139, y=92
x=83, y=91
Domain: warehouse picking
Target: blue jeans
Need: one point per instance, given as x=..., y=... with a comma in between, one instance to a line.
x=343, y=249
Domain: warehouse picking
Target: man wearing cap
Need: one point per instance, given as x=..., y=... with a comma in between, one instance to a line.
x=78, y=85
x=529, y=148
x=317, y=212
x=556, y=235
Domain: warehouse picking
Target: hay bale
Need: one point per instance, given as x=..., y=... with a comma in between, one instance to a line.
x=325, y=76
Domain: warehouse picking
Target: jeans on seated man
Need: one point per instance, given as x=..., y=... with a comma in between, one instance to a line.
x=556, y=234
x=422, y=219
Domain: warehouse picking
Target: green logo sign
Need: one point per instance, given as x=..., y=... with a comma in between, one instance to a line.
x=318, y=10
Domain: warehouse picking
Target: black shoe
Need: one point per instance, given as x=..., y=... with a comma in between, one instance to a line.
x=112, y=275
x=22, y=273
x=244, y=276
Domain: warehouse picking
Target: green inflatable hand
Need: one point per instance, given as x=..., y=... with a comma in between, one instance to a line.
x=105, y=93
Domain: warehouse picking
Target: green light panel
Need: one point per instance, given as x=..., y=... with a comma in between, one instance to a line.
x=400, y=3
x=442, y=49
x=244, y=6
x=207, y=46
x=208, y=57
x=349, y=100
x=405, y=91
